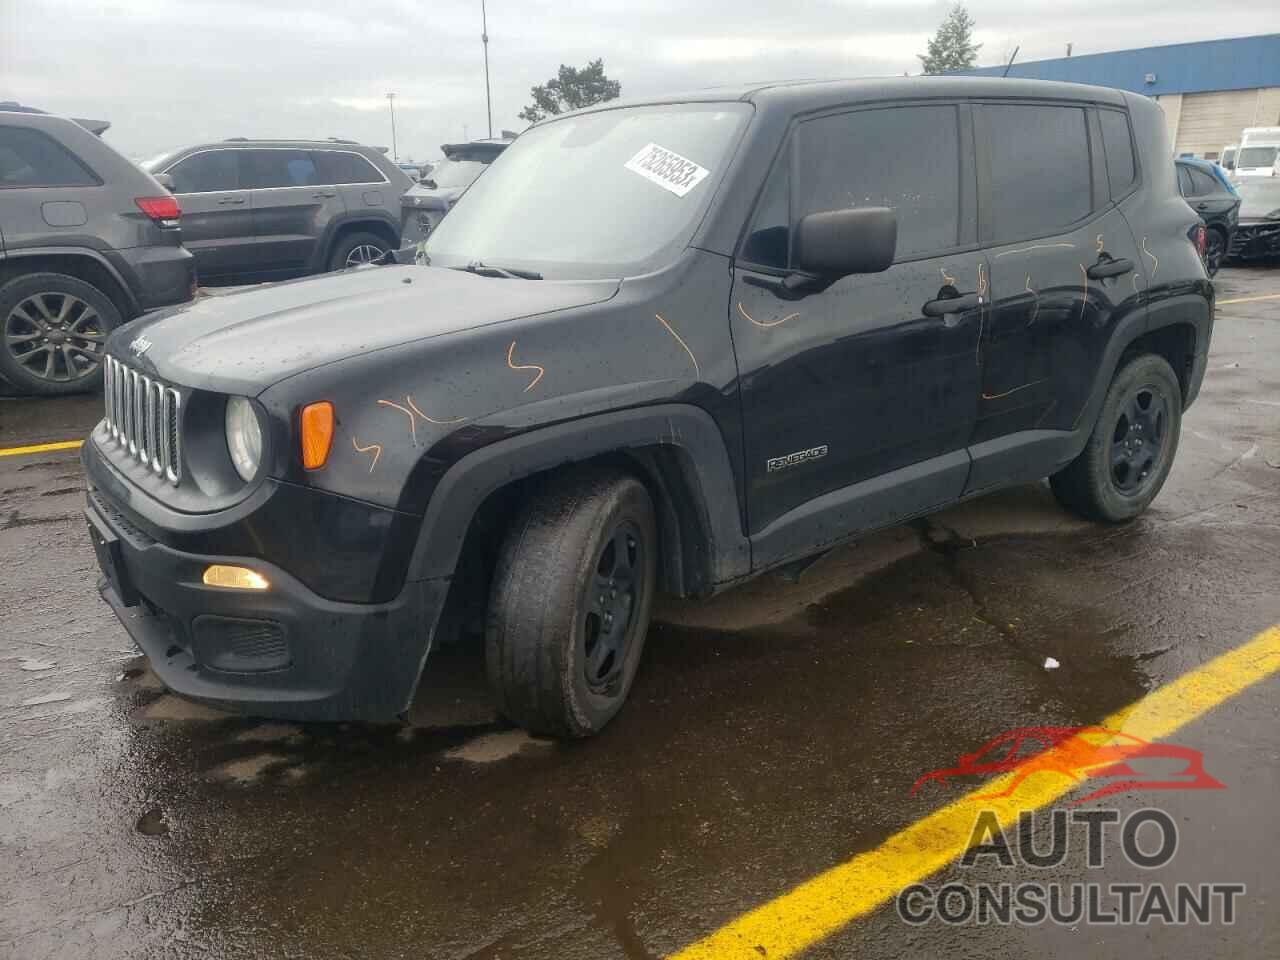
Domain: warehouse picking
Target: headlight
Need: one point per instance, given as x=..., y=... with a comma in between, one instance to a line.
x=244, y=437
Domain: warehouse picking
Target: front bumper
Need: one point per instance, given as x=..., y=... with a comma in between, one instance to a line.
x=284, y=652
x=1255, y=240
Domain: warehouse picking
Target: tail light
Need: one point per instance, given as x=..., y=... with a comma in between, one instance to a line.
x=1201, y=239
x=163, y=210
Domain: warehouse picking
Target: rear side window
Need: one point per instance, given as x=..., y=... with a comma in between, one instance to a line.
x=206, y=172
x=29, y=158
x=1184, y=181
x=1202, y=184
x=1040, y=180
x=335, y=167
x=280, y=168
x=1118, y=145
x=906, y=158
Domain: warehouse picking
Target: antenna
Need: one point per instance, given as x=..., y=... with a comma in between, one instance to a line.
x=1011, y=59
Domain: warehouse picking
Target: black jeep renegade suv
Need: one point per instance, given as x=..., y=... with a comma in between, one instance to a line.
x=658, y=346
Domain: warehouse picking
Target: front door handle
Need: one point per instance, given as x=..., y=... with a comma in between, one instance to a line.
x=1110, y=268
x=226, y=201
x=1202, y=205
x=957, y=304
x=323, y=196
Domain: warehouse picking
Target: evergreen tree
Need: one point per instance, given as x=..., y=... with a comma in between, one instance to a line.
x=952, y=47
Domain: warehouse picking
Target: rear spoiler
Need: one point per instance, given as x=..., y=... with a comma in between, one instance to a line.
x=96, y=127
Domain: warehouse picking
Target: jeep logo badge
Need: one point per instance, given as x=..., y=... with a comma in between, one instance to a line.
x=140, y=345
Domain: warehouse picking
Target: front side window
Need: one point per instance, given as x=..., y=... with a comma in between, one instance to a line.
x=1040, y=174
x=906, y=158
x=1184, y=181
x=29, y=158
x=206, y=172
x=279, y=168
x=606, y=194
x=1118, y=145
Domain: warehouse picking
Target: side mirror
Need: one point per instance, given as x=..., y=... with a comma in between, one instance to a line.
x=837, y=243
x=164, y=180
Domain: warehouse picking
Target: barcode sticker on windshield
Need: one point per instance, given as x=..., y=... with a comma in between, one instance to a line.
x=667, y=169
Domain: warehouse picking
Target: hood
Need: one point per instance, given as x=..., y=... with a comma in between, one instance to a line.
x=246, y=341
x=1259, y=201
x=427, y=198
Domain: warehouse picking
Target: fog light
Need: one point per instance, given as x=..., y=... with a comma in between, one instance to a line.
x=234, y=578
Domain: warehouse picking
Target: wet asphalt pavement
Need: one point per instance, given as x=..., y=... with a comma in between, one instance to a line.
x=773, y=732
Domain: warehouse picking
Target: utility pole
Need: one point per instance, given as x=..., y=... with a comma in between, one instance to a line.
x=484, y=38
x=391, y=100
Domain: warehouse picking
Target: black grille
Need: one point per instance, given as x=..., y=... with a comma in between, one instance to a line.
x=135, y=534
x=240, y=646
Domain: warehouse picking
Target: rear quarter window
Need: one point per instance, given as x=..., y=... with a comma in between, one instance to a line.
x=30, y=158
x=1040, y=173
x=1118, y=145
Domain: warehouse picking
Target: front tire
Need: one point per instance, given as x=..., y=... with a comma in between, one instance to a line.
x=1215, y=250
x=53, y=332
x=570, y=601
x=1132, y=447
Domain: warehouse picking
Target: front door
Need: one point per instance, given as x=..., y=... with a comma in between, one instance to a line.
x=217, y=215
x=859, y=401
x=1065, y=269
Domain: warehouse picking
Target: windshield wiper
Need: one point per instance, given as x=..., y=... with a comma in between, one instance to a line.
x=487, y=270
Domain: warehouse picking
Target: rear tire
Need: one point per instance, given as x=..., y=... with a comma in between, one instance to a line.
x=53, y=332
x=570, y=602
x=1132, y=447
x=354, y=249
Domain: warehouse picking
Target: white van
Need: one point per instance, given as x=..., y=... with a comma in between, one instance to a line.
x=1227, y=159
x=1259, y=147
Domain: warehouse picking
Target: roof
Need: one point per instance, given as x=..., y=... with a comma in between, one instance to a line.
x=803, y=95
x=1242, y=63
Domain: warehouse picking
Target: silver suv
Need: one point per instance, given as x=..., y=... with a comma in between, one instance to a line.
x=267, y=209
x=87, y=242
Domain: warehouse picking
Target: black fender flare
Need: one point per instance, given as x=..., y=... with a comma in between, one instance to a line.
x=87, y=253
x=688, y=430
x=1195, y=309
x=324, y=249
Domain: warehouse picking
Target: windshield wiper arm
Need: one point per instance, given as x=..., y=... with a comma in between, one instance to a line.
x=487, y=270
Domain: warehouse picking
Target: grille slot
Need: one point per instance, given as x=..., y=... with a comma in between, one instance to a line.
x=144, y=418
x=240, y=646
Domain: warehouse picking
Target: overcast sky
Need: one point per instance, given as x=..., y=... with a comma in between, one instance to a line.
x=171, y=72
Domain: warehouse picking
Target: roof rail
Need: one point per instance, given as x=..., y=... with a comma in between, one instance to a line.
x=340, y=140
x=236, y=140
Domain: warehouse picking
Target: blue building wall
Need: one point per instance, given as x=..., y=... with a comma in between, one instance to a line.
x=1239, y=64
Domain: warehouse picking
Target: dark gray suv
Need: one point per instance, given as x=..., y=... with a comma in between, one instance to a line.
x=266, y=209
x=87, y=242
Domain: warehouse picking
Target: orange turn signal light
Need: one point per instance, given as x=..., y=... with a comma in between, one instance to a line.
x=234, y=578
x=317, y=434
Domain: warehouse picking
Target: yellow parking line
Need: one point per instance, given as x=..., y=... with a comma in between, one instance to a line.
x=1268, y=296
x=41, y=448
x=821, y=906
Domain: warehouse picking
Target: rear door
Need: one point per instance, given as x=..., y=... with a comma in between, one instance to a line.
x=360, y=185
x=43, y=190
x=858, y=401
x=217, y=215
x=1065, y=269
x=292, y=206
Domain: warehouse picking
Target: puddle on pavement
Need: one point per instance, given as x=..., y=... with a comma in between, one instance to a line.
x=152, y=823
x=492, y=747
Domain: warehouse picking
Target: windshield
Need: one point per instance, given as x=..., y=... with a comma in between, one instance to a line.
x=605, y=194
x=1259, y=198
x=1256, y=157
x=456, y=173
x=156, y=162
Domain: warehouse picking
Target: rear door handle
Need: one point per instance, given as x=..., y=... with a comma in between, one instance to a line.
x=1110, y=268
x=322, y=196
x=1202, y=205
x=226, y=201
x=945, y=305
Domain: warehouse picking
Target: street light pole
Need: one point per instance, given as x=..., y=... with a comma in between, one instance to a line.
x=484, y=38
x=391, y=100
